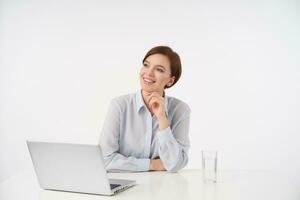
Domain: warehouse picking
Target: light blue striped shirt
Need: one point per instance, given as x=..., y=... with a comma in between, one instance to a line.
x=131, y=137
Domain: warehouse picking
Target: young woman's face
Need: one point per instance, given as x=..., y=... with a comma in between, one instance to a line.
x=155, y=73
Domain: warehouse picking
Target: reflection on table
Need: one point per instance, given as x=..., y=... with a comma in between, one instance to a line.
x=186, y=184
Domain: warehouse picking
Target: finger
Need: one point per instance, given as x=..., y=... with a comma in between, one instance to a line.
x=151, y=97
x=155, y=99
x=154, y=106
x=155, y=95
x=147, y=93
x=155, y=102
x=151, y=103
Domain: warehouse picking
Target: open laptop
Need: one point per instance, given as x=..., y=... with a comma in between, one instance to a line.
x=73, y=168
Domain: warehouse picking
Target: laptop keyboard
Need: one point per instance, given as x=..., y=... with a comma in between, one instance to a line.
x=112, y=186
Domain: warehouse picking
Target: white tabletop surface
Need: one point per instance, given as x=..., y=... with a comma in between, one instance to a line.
x=186, y=184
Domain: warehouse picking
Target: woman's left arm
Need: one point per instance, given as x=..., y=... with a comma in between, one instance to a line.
x=174, y=142
x=173, y=138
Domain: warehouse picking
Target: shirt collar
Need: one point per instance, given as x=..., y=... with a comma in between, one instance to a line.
x=140, y=102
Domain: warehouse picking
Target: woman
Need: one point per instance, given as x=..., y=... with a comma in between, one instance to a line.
x=148, y=131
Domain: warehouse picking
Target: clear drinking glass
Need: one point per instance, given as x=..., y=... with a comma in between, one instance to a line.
x=209, y=165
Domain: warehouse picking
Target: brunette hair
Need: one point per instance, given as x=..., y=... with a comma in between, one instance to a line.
x=173, y=58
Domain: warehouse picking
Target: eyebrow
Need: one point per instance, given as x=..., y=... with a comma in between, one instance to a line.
x=156, y=65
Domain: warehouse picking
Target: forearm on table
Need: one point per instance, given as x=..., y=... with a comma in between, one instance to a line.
x=119, y=162
x=173, y=155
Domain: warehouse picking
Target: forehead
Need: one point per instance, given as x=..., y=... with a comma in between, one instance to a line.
x=159, y=59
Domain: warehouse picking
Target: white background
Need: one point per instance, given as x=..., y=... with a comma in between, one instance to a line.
x=62, y=61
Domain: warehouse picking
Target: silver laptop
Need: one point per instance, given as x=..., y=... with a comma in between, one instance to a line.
x=73, y=168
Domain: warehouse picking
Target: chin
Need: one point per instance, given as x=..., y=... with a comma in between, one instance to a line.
x=150, y=89
x=147, y=89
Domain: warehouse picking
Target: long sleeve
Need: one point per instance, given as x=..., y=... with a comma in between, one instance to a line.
x=174, y=144
x=109, y=142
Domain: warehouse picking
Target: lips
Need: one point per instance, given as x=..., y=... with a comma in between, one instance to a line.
x=148, y=80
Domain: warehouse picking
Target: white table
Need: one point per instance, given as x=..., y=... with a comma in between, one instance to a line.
x=187, y=184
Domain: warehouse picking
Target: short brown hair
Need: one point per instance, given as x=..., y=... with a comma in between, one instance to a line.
x=173, y=58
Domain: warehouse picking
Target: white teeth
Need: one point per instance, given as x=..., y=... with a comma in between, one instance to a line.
x=148, y=81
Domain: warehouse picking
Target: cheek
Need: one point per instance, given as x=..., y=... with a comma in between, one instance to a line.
x=141, y=72
x=163, y=80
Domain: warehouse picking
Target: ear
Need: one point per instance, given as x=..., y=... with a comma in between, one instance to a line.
x=171, y=81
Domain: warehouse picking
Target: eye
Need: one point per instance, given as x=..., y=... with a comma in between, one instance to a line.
x=145, y=65
x=160, y=70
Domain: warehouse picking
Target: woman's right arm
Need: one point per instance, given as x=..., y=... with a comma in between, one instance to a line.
x=109, y=142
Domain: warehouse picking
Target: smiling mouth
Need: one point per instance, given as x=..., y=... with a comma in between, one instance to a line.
x=148, y=81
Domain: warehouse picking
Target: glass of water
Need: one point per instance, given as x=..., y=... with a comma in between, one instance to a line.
x=209, y=165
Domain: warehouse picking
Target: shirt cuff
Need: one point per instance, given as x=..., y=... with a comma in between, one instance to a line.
x=165, y=135
x=143, y=165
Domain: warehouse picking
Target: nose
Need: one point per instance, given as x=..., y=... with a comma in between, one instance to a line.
x=150, y=71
